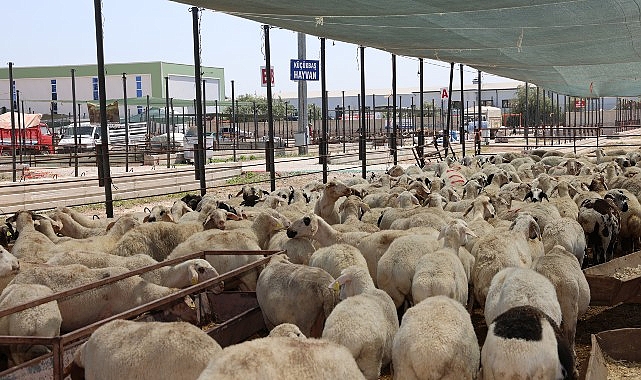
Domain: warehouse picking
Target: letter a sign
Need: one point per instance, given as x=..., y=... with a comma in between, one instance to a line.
x=444, y=93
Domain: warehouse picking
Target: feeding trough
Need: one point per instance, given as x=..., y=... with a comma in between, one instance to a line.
x=616, y=281
x=615, y=354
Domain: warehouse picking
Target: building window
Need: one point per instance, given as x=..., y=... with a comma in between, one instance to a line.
x=94, y=81
x=139, y=110
x=138, y=86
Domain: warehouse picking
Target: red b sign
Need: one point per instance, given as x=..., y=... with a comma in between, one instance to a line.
x=263, y=76
x=579, y=103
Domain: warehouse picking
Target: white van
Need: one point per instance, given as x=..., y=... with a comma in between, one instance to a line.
x=89, y=136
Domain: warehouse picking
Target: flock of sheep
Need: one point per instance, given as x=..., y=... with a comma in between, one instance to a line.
x=377, y=272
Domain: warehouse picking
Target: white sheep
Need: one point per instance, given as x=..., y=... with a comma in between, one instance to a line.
x=123, y=349
x=83, y=220
x=181, y=275
x=295, y=294
x=504, y=248
x=335, y=258
x=441, y=272
x=326, y=206
x=299, y=249
x=572, y=289
x=30, y=245
x=365, y=321
x=397, y=265
x=436, y=340
x=524, y=343
x=314, y=227
x=46, y=227
x=115, y=231
x=512, y=287
x=283, y=358
x=567, y=233
x=105, y=301
x=43, y=320
x=69, y=227
x=287, y=330
x=159, y=239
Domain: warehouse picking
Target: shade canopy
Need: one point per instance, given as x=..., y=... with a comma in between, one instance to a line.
x=588, y=48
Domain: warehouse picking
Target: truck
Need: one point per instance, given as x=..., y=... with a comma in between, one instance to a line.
x=31, y=134
x=89, y=135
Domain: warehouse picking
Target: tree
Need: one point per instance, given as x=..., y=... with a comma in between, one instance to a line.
x=530, y=113
x=245, y=107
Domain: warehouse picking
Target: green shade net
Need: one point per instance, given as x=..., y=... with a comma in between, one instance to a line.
x=587, y=48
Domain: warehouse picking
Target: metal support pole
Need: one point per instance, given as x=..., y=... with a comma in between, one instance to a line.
x=147, y=120
x=234, y=135
x=394, y=125
x=124, y=95
x=302, y=99
x=198, y=109
x=21, y=128
x=421, y=137
x=343, y=117
x=461, y=116
x=13, y=122
x=324, y=141
x=102, y=93
x=167, y=121
x=480, y=124
x=362, y=117
x=75, y=121
x=271, y=167
x=526, y=118
x=446, y=136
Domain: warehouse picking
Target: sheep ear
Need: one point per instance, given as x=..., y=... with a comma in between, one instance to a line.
x=534, y=231
x=193, y=274
x=365, y=207
x=555, y=188
x=543, y=195
x=232, y=216
x=468, y=210
x=109, y=226
x=468, y=231
x=528, y=195
x=240, y=192
x=441, y=234
x=145, y=219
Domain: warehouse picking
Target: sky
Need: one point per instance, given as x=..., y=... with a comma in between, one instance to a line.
x=48, y=33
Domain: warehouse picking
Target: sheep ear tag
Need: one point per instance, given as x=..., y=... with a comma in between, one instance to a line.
x=194, y=275
x=336, y=286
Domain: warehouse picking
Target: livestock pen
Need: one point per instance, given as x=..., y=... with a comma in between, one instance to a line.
x=229, y=317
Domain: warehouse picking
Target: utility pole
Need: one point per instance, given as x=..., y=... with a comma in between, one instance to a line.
x=302, y=97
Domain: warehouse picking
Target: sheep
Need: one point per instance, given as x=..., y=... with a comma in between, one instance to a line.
x=397, y=265
x=251, y=195
x=69, y=227
x=256, y=238
x=295, y=294
x=299, y=249
x=512, y=287
x=335, y=258
x=42, y=320
x=159, y=239
x=572, y=289
x=567, y=233
x=82, y=219
x=282, y=358
x=524, y=343
x=101, y=242
x=30, y=245
x=286, y=330
x=536, y=195
x=601, y=221
x=351, y=211
x=46, y=227
x=160, y=213
x=180, y=208
x=326, y=206
x=106, y=300
x=181, y=275
x=564, y=203
x=441, y=272
x=123, y=349
x=436, y=340
x=191, y=200
x=364, y=321
x=504, y=248
x=630, y=220
x=314, y=227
